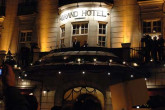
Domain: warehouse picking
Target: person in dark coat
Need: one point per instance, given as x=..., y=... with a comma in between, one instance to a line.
x=155, y=48
x=85, y=44
x=76, y=44
x=13, y=99
x=160, y=48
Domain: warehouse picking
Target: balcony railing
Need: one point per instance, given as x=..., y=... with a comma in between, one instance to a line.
x=2, y=10
x=27, y=8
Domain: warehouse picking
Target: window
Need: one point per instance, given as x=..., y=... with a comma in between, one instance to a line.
x=26, y=36
x=151, y=26
x=80, y=29
x=102, y=41
x=63, y=31
x=102, y=35
x=62, y=36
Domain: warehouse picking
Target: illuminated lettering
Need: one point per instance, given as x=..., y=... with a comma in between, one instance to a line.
x=82, y=13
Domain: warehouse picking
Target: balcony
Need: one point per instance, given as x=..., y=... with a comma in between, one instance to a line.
x=27, y=8
x=2, y=12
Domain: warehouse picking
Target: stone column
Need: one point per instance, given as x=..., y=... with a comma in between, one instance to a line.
x=128, y=94
x=58, y=96
x=125, y=23
x=47, y=29
x=10, y=25
x=108, y=101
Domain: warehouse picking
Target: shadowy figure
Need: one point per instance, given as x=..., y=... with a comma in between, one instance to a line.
x=154, y=48
x=25, y=53
x=13, y=99
x=160, y=48
x=56, y=108
x=87, y=102
x=76, y=44
x=147, y=47
x=85, y=44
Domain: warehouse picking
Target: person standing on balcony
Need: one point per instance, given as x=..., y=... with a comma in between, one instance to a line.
x=160, y=48
x=76, y=44
x=155, y=48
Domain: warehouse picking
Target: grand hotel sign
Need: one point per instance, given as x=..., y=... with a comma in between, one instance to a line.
x=82, y=14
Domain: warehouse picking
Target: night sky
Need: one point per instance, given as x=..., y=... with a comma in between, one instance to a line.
x=64, y=2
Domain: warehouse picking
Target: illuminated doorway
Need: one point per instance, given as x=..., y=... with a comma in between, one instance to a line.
x=71, y=95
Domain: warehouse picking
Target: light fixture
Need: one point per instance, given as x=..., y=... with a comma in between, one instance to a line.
x=44, y=92
x=25, y=75
x=19, y=77
x=31, y=64
x=65, y=58
x=79, y=60
x=145, y=79
x=151, y=60
x=124, y=62
x=137, y=107
x=77, y=4
x=59, y=72
x=40, y=60
x=83, y=72
x=19, y=68
x=110, y=60
x=109, y=74
x=135, y=64
x=15, y=66
x=132, y=76
x=94, y=59
x=31, y=94
x=100, y=4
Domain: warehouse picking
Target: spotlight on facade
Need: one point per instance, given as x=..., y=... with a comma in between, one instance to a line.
x=135, y=64
x=79, y=60
x=65, y=58
x=25, y=75
x=151, y=60
x=110, y=60
x=31, y=94
x=137, y=107
x=59, y=72
x=124, y=62
x=132, y=76
x=44, y=92
x=83, y=72
x=94, y=59
x=15, y=66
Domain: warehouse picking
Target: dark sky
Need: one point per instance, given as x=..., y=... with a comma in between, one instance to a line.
x=64, y=2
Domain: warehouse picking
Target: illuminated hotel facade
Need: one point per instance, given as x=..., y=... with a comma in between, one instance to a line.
x=45, y=25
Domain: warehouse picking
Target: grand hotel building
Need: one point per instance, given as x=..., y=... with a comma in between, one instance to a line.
x=49, y=25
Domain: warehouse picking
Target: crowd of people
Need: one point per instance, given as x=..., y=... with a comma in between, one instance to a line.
x=153, y=48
